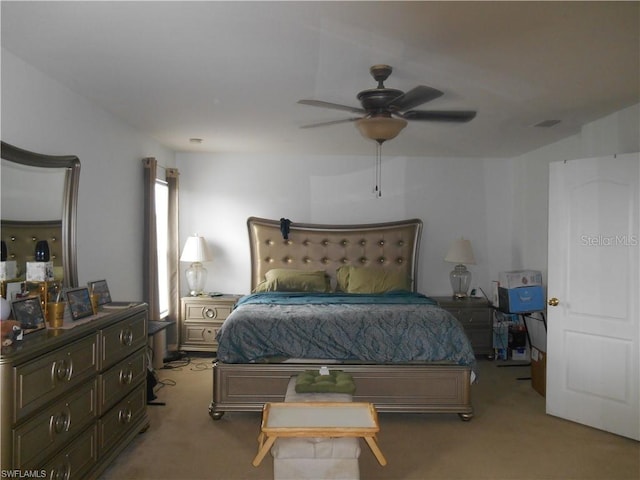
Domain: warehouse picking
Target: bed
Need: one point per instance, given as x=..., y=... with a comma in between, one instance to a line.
x=346, y=297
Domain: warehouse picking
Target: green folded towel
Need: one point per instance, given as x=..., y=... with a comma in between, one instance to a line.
x=310, y=381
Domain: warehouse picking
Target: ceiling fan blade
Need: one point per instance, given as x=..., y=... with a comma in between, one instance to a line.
x=414, y=97
x=332, y=122
x=336, y=106
x=459, y=116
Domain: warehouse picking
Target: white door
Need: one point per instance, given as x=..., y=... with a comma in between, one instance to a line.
x=593, y=343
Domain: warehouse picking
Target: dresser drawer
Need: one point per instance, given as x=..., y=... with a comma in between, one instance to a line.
x=120, y=379
x=122, y=339
x=47, y=431
x=119, y=420
x=41, y=380
x=198, y=312
x=76, y=459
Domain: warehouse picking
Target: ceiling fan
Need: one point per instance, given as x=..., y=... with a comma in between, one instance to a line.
x=385, y=111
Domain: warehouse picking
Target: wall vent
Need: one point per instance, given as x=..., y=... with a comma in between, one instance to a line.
x=547, y=123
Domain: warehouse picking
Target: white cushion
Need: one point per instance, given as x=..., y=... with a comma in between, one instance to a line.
x=316, y=469
x=302, y=447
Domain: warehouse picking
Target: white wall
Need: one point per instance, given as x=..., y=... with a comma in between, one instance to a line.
x=219, y=192
x=41, y=115
x=616, y=133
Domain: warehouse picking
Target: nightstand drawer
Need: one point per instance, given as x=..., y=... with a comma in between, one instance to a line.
x=198, y=312
x=481, y=341
x=470, y=317
x=199, y=333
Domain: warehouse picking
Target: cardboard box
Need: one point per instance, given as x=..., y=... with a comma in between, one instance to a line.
x=520, y=278
x=522, y=299
x=539, y=371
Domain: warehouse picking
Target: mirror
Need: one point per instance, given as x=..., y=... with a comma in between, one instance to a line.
x=40, y=194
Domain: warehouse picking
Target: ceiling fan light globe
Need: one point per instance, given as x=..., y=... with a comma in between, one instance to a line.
x=380, y=128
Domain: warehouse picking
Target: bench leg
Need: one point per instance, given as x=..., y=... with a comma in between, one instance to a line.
x=263, y=449
x=373, y=445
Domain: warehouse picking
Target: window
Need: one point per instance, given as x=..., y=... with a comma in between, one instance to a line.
x=162, y=234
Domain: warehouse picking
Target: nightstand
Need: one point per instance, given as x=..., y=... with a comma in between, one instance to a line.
x=201, y=318
x=476, y=316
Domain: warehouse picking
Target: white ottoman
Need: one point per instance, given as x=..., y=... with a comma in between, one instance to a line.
x=315, y=458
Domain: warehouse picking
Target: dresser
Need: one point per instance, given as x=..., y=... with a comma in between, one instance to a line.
x=200, y=319
x=476, y=316
x=72, y=399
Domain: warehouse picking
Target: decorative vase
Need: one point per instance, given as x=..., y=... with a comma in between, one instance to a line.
x=3, y=251
x=42, y=251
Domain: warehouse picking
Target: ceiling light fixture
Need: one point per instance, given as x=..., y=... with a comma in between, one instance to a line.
x=195, y=140
x=381, y=127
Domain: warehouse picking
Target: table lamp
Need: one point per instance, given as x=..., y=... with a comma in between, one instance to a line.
x=196, y=251
x=460, y=253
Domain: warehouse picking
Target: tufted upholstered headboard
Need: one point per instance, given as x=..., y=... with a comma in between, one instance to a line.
x=392, y=245
x=21, y=237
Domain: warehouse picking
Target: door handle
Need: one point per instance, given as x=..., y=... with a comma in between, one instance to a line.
x=554, y=302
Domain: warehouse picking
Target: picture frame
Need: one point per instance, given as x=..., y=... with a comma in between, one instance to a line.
x=100, y=288
x=28, y=312
x=79, y=303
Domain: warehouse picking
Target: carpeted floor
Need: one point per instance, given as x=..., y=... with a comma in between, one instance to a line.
x=510, y=438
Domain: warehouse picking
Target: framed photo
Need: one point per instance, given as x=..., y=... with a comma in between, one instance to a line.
x=100, y=288
x=28, y=311
x=79, y=303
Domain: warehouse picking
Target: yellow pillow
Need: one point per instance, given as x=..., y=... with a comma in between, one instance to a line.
x=352, y=279
x=291, y=280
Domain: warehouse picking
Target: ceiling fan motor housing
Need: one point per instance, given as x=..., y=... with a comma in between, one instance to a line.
x=376, y=100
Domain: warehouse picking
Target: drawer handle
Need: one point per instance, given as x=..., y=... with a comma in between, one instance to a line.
x=126, y=337
x=60, y=423
x=124, y=415
x=62, y=370
x=62, y=472
x=209, y=312
x=126, y=377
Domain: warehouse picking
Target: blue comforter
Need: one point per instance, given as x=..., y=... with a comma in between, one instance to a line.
x=398, y=327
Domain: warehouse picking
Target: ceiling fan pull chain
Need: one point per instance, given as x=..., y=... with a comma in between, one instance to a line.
x=378, y=190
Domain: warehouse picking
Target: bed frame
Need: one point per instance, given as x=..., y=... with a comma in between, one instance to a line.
x=413, y=387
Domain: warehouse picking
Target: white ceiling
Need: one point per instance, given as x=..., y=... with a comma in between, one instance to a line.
x=232, y=72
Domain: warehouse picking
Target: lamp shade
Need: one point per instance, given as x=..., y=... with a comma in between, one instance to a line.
x=195, y=250
x=380, y=128
x=460, y=252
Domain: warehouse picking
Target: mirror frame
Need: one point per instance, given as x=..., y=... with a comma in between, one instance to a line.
x=69, y=201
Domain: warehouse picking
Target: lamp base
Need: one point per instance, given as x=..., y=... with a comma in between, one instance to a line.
x=196, y=278
x=460, y=279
